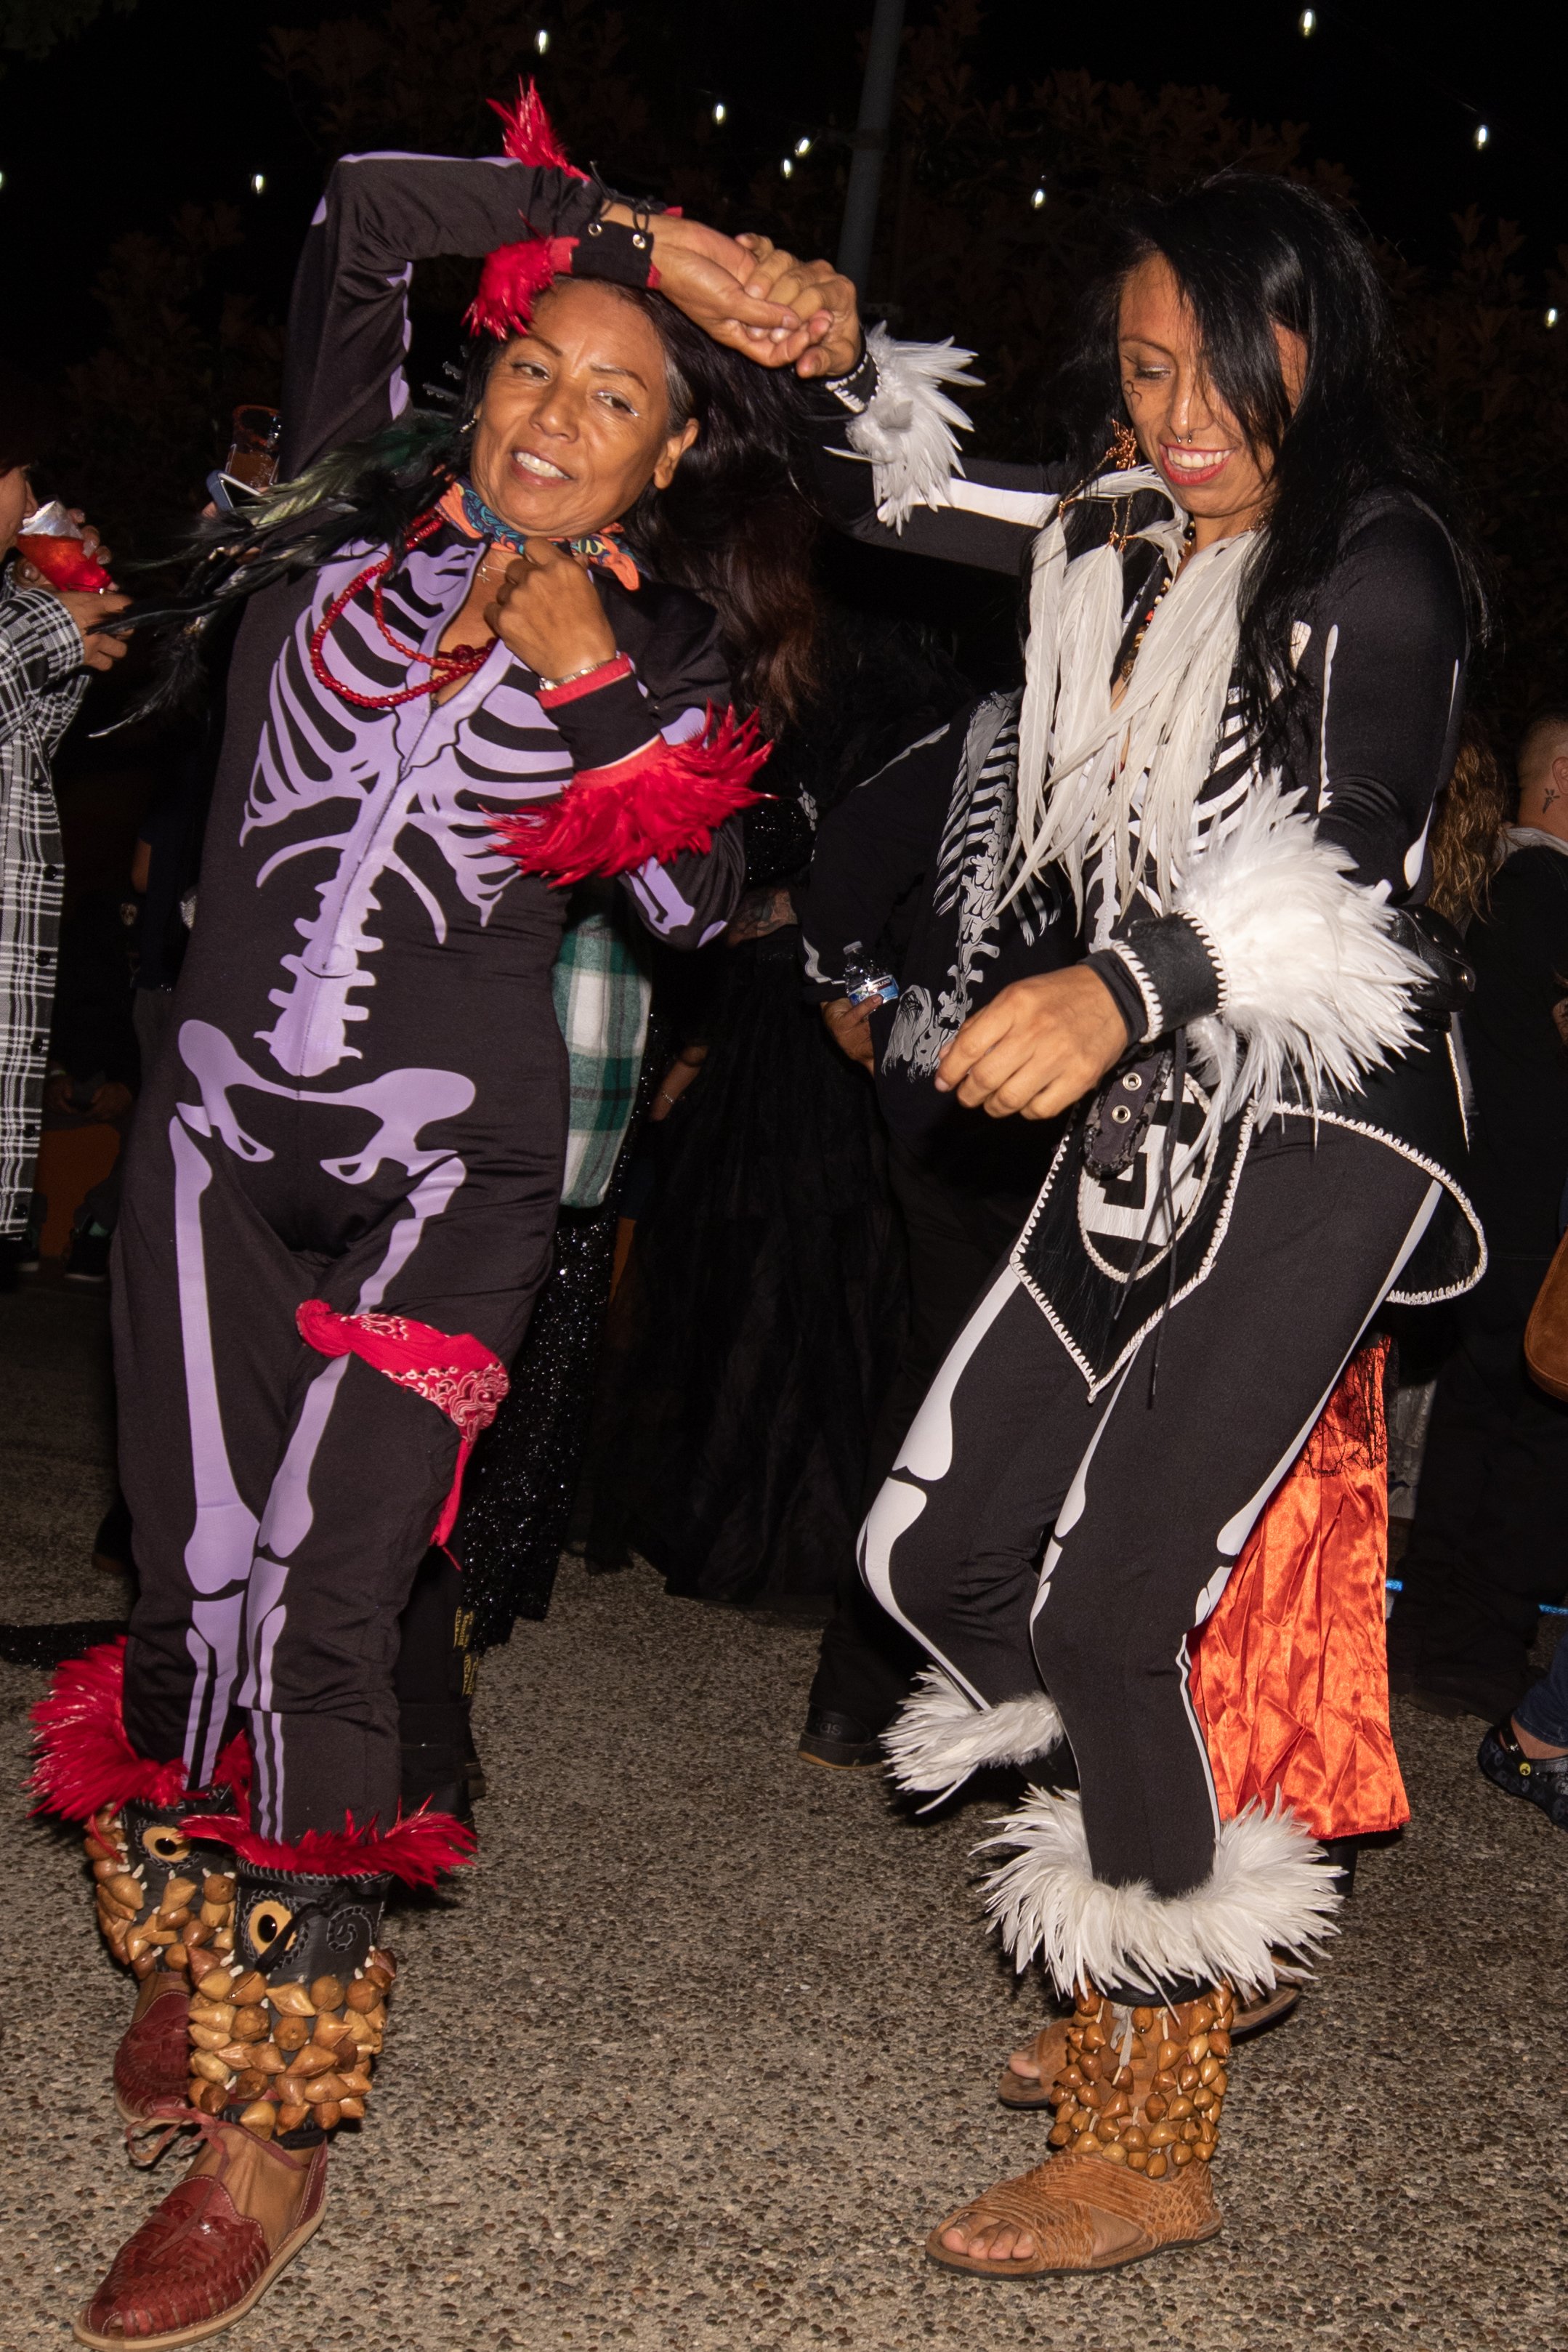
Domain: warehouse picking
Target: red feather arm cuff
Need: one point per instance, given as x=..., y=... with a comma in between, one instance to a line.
x=663, y=799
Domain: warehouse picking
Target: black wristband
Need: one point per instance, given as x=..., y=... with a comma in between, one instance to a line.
x=857, y=390
x=610, y=250
x=1172, y=958
x=1107, y=966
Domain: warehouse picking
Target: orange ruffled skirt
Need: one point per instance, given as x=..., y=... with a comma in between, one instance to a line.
x=1290, y=1674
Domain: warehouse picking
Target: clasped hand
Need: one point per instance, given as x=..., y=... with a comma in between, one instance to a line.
x=547, y=611
x=1038, y=1046
x=747, y=294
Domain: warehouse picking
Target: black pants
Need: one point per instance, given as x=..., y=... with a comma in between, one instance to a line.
x=1147, y=1506
x=1489, y=1541
x=960, y=1220
x=282, y=1500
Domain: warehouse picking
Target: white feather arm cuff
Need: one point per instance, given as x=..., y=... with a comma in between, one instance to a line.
x=1271, y=1890
x=939, y=1738
x=908, y=432
x=1313, y=983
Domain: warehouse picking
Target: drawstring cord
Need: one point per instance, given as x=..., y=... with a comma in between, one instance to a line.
x=170, y=2118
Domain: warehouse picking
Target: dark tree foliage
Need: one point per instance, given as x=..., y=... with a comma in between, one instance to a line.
x=963, y=250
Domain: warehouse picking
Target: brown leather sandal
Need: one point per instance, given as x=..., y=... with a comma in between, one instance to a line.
x=1085, y=2215
x=1138, y=2102
x=1049, y=2049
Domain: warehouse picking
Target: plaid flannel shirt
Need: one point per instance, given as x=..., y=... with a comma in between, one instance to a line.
x=42, y=682
x=602, y=996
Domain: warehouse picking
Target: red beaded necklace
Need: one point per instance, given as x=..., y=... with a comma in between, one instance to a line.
x=446, y=668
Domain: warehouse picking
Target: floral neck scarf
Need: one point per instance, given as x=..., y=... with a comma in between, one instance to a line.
x=607, y=547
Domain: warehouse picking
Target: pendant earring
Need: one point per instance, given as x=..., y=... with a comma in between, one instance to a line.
x=1123, y=453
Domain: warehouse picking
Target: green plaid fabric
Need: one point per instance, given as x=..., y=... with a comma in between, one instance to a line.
x=601, y=1002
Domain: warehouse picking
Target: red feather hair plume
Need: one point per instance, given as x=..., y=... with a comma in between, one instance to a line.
x=529, y=135
x=515, y=276
x=84, y=1758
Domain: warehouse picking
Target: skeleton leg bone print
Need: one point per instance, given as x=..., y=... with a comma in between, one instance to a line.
x=239, y=1571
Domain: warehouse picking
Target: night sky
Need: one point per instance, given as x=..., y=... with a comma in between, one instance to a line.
x=170, y=104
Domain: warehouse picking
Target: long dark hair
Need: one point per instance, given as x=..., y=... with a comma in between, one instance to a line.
x=1251, y=252
x=730, y=526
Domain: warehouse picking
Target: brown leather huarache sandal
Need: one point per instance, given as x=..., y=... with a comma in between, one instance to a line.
x=1084, y=2215
x=1049, y=2048
x=1138, y=2099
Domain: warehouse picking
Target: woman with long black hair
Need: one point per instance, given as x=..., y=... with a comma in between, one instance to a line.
x=1249, y=622
x=481, y=659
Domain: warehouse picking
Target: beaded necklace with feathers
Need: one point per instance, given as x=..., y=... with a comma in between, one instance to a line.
x=1087, y=768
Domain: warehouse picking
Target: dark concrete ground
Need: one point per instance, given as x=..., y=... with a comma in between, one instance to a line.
x=708, y=2041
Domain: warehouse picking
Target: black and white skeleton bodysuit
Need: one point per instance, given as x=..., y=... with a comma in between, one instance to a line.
x=1058, y=1521
x=363, y=1099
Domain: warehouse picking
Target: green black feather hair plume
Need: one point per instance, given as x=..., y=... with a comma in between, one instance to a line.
x=366, y=493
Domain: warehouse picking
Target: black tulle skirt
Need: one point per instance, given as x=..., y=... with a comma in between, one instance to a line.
x=760, y=1316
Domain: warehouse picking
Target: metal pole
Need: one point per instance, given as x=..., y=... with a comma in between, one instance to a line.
x=870, y=143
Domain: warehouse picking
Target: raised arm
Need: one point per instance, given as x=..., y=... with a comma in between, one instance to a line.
x=884, y=426
x=887, y=467
x=348, y=320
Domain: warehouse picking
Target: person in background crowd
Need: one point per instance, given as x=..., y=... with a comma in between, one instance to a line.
x=909, y=872
x=49, y=639
x=94, y=1065
x=763, y=1304
x=1489, y=1541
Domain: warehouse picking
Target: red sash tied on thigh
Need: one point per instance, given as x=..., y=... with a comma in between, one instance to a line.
x=451, y=1370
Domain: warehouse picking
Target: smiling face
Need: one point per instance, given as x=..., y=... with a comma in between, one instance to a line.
x=1184, y=425
x=576, y=423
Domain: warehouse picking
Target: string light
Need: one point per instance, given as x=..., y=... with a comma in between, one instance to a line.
x=1039, y=198
x=259, y=183
x=541, y=40
x=787, y=168
x=1483, y=135
x=1306, y=23
x=2, y=178
x=720, y=111
x=803, y=146
x=1552, y=317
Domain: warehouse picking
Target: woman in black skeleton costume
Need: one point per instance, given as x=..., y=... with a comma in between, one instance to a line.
x=344, y=1174
x=1248, y=630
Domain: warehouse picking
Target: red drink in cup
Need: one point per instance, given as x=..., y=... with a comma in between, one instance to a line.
x=51, y=538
